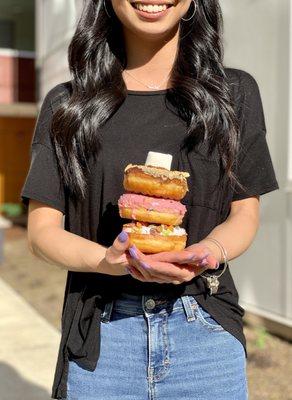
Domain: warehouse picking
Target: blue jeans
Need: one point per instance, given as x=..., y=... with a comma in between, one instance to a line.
x=158, y=349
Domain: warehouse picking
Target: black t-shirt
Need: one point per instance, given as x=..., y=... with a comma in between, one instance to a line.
x=144, y=122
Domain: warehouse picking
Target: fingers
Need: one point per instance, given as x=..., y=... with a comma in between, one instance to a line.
x=196, y=269
x=120, y=244
x=211, y=262
x=208, y=260
x=182, y=257
x=135, y=273
x=136, y=260
x=141, y=269
x=157, y=271
x=136, y=253
x=184, y=274
x=158, y=278
x=151, y=268
x=143, y=263
x=149, y=274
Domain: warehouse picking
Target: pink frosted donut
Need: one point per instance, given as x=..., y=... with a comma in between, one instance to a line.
x=151, y=209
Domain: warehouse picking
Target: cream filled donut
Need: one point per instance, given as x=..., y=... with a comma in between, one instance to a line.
x=150, y=238
x=151, y=209
x=155, y=181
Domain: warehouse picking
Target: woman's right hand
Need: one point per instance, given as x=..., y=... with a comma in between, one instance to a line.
x=115, y=260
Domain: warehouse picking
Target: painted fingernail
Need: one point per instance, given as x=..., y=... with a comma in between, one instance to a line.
x=144, y=265
x=123, y=236
x=217, y=265
x=204, y=262
x=133, y=253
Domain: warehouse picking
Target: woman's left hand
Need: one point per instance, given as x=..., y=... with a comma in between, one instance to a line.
x=171, y=267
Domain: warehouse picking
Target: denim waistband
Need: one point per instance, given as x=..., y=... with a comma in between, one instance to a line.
x=132, y=305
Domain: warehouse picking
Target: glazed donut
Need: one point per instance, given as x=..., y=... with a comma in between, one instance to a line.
x=151, y=209
x=150, y=238
x=155, y=181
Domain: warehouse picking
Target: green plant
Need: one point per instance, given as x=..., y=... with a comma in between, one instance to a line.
x=262, y=335
x=11, y=209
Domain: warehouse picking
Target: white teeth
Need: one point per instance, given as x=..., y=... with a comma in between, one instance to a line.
x=151, y=8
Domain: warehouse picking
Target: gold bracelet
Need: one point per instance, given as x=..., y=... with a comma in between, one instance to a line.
x=212, y=280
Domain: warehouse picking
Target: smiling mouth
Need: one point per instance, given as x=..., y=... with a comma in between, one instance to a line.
x=150, y=8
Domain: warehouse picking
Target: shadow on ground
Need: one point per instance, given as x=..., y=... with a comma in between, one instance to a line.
x=13, y=386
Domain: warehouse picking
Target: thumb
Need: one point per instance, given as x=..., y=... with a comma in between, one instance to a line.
x=120, y=244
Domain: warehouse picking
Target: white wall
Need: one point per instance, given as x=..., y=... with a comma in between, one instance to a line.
x=290, y=106
x=257, y=40
x=55, y=21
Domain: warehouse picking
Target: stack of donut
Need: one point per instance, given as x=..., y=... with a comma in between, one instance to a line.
x=152, y=202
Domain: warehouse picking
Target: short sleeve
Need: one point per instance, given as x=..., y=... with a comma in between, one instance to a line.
x=43, y=182
x=254, y=168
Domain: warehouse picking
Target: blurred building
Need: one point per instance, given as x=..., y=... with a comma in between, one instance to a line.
x=257, y=40
x=17, y=94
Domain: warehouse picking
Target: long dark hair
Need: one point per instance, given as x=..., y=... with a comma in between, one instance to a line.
x=199, y=89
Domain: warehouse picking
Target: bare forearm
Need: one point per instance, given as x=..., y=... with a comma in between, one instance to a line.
x=67, y=250
x=236, y=234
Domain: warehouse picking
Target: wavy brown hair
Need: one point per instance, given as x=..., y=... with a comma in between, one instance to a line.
x=199, y=89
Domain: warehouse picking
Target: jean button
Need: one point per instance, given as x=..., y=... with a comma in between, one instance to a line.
x=150, y=304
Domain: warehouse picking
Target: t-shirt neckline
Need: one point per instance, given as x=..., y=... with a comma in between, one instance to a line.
x=147, y=92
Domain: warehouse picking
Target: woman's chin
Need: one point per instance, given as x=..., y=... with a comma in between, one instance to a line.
x=153, y=31
x=152, y=34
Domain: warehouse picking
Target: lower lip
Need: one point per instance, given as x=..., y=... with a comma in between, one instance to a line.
x=152, y=16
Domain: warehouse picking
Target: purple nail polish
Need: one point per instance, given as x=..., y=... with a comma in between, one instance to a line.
x=123, y=236
x=144, y=265
x=204, y=262
x=133, y=253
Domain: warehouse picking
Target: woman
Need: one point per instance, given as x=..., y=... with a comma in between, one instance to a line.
x=148, y=76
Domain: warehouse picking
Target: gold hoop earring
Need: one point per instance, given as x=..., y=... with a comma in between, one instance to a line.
x=195, y=10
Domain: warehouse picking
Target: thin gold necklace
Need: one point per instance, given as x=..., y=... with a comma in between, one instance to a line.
x=150, y=86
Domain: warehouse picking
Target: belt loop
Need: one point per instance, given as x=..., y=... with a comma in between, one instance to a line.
x=189, y=311
x=106, y=314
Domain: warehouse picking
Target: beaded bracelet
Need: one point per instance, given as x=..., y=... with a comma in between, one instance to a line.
x=212, y=280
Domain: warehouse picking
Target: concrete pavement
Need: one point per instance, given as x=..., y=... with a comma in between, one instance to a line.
x=28, y=349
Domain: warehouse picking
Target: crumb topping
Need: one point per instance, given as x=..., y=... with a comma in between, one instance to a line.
x=159, y=172
x=152, y=229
